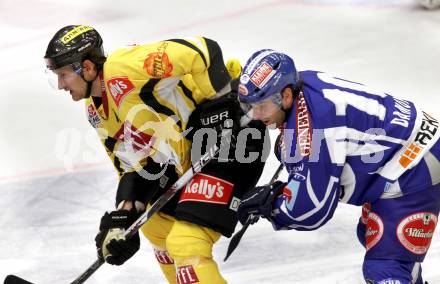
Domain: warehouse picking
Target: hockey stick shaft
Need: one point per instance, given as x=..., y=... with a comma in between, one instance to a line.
x=89, y=271
x=235, y=240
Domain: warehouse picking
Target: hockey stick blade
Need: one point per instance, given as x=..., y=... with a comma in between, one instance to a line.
x=235, y=240
x=12, y=279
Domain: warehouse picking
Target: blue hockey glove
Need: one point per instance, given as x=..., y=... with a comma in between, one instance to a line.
x=111, y=244
x=258, y=201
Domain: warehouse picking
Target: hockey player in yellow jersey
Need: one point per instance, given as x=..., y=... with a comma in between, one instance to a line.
x=143, y=100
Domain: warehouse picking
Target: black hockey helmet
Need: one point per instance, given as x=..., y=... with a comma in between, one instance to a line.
x=72, y=45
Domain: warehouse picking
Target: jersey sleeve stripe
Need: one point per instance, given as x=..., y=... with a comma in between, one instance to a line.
x=320, y=222
x=331, y=187
x=147, y=96
x=187, y=92
x=218, y=74
x=110, y=144
x=433, y=167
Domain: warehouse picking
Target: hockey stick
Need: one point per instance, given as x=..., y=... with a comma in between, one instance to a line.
x=12, y=279
x=235, y=240
x=157, y=205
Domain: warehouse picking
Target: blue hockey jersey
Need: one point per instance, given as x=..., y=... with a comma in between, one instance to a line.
x=345, y=142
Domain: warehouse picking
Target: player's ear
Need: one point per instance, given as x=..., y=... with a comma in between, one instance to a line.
x=287, y=100
x=89, y=69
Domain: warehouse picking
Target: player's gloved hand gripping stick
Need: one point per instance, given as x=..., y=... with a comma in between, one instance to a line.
x=251, y=219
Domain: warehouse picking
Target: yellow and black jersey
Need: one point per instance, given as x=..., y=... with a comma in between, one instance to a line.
x=150, y=92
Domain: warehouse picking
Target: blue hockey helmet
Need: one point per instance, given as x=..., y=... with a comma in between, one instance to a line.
x=265, y=74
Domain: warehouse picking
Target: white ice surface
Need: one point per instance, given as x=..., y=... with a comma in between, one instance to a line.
x=55, y=180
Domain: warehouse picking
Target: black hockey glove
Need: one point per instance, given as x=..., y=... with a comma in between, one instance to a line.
x=258, y=201
x=221, y=114
x=110, y=241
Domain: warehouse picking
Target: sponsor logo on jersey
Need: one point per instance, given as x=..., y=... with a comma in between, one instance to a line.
x=298, y=176
x=163, y=257
x=262, y=74
x=119, y=88
x=291, y=193
x=366, y=208
x=297, y=168
x=206, y=188
x=415, y=231
x=374, y=231
x=131, y=136
x=157, y=64
x=186, y=275
x=303, y=127
x=428, y=129
x=93, y=116
x=73, y=33
x=410, y=154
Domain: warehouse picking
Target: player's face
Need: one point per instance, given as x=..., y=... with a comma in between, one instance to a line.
x=269, y=111
x=65, y=78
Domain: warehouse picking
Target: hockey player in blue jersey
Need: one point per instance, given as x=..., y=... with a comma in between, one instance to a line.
x=341, y=141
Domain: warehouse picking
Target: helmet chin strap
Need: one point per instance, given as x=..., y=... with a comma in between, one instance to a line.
x=89, y=85
x=89, y=89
